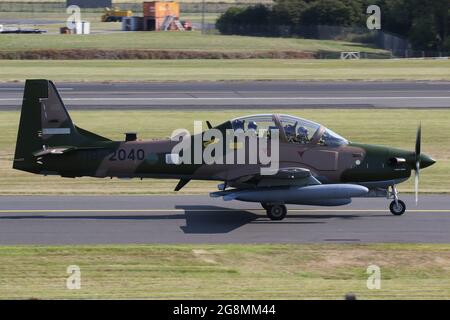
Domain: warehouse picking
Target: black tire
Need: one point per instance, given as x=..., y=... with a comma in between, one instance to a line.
x=397, y=210
x=276, y=212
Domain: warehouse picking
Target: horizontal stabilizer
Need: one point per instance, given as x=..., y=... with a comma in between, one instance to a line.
x=47, y=151
x=60, y=150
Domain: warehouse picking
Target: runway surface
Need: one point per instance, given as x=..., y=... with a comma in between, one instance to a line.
x=251, y=95
x=200, y=219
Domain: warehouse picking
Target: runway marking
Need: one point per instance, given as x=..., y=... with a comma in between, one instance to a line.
x=203, y=210
x=237, y=98
x=250, y=98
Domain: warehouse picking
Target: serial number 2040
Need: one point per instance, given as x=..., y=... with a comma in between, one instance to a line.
x=132, y=154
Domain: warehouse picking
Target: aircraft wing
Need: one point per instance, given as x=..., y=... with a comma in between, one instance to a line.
x=290, y=185
x=289, y=173
x=293, y=176
x=284, y=177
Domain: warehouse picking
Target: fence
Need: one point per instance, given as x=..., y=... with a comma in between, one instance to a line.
x=396, y=45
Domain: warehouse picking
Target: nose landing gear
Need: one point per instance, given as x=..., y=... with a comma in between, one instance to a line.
x=397, y=207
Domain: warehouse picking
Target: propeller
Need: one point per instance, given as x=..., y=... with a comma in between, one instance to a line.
x=417, y=160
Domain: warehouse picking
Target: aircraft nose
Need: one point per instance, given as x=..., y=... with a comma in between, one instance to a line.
x=426, y=161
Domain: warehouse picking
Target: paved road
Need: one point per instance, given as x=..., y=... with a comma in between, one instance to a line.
x=8, y=22
x=261, y=94
x=200, y=219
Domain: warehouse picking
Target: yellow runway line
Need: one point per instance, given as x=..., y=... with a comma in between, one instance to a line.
x=203, y=210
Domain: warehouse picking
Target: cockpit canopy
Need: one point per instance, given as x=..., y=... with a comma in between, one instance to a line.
x=292, y=129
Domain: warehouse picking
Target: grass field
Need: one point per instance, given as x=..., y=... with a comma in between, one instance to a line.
x=389, y=127
x=217, y=70
x=171, y=41
x=226, y=271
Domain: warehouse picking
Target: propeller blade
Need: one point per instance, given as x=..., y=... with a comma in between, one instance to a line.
x=416, y=182
x=417, y=156
x=418, y=141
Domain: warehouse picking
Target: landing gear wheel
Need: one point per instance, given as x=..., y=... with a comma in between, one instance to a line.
x=276, y=212
x=398, y=208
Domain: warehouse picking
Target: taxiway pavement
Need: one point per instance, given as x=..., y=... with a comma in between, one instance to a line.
x=200, y=219
x=236, y=95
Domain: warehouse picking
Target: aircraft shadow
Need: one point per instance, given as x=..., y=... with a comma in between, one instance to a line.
x=214, y=219
x=200, y=219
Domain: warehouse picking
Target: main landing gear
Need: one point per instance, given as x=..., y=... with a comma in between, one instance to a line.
x=397, y=206
x=278, y=211
x=275, y=211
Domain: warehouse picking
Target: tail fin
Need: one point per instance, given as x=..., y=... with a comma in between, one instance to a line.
x=44, y=121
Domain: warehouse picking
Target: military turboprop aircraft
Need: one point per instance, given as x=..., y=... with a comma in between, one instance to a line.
x=315, y=165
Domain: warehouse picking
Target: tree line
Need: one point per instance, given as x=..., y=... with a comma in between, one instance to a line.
x=425, y=24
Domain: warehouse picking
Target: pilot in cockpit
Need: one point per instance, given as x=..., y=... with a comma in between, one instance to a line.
x=289, y=131
x=302, y=135
x=238, y=124
x=252, y=125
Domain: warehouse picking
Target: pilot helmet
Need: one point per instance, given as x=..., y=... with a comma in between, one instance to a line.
x=252, y=125
x=238, y=124
x=289, y=129
x=302, y=131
